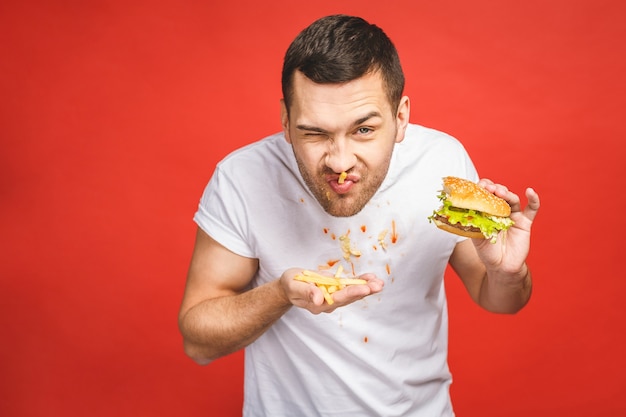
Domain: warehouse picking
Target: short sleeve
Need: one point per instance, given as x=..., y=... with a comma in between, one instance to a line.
x=221, y=214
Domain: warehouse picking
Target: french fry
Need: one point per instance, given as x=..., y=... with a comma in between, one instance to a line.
x=314, y=277
x=327, y=296
x=381, y=239
x=339, y=271
x=347, y=248
x=338, y=275
x=342, y=177
x=327, y=284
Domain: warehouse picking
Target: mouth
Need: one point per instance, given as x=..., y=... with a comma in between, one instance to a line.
x=342, y=185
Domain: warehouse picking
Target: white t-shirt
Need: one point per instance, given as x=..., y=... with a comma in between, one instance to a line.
x=385, y=355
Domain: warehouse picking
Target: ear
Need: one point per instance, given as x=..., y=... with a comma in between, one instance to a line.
x=402, y=118
x=284, y=119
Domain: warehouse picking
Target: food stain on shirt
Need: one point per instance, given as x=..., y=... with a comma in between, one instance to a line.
x=332, y=262
x=347, y=248
x=328, y=265
x=381, y=239
x=350, y=250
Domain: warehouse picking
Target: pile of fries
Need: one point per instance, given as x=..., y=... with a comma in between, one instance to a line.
x=327, y=284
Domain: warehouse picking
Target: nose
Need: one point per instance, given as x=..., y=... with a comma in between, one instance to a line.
x=340, y=156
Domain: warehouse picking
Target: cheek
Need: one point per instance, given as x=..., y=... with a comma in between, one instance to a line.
x=375, y=158
x=311, y=156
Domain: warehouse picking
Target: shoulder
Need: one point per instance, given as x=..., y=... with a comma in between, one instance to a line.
x=430, y=149
x=271, y=156
x=270, y=147
x=426, y=138
x=424, y=157
x=265, y=167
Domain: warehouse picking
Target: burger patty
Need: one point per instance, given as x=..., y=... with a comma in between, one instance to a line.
x=444, y=219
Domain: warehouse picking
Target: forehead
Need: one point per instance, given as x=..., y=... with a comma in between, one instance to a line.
x=365, y=94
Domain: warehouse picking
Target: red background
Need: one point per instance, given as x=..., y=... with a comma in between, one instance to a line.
x=114, y=113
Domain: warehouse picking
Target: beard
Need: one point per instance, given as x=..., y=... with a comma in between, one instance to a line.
x=351, y=203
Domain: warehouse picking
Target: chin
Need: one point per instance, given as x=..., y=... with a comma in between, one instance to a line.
x=342, y=206
x=343, y=212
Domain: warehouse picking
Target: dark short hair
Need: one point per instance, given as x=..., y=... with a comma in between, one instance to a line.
x=339, y=48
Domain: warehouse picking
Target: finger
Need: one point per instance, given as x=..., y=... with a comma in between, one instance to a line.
x=376, y=285
x=351, y=294
x=485, y=182
x=315, y=295
x=503, y=192
x=533, y=204
x=499, y=190
x=318, y=298
x=373, y=282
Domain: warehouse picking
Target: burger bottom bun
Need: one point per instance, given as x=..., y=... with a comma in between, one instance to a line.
x=457, y=231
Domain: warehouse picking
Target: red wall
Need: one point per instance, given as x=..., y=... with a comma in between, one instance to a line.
x=113, y=115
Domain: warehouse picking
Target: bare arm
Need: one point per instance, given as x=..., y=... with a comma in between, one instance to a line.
x=220, y=314
x=499, y=291
x=496, y=275
x=217, y=315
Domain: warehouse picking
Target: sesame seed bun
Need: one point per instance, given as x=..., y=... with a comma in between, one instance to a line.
x=466, y=194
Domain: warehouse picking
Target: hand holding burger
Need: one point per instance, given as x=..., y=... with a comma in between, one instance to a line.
x=470, y=210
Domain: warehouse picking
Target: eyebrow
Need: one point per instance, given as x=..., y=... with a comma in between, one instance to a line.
x=357, y=122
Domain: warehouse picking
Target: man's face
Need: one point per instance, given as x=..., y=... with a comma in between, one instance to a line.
x=347, y=127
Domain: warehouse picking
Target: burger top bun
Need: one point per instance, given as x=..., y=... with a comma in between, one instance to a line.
x=469, y=195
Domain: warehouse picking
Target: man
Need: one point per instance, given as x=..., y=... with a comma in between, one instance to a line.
x=281, y=205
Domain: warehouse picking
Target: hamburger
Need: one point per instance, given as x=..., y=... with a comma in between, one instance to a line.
x=470, y=210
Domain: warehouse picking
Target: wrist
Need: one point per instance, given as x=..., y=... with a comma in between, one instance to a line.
x=281, y=293
x=513, y=278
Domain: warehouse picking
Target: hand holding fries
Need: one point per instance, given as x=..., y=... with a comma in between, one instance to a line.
x=324, y=293
x=329, y=285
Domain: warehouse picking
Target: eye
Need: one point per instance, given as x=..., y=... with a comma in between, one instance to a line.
x=316, y=136
x=364, y=130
